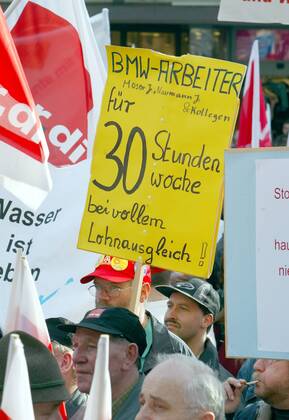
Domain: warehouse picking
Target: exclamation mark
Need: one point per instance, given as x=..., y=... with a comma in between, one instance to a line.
x=203, y=253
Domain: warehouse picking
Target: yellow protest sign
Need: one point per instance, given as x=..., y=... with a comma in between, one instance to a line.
x=156, y=183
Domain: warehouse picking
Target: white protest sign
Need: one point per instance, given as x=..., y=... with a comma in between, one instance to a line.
x=272, y=251
x=256, y=252
x=263, y=11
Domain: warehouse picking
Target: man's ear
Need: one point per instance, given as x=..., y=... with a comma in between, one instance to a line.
x=208, y=320
x=66, y=362
x=208, y=415
x=131, y=356
x=145, y=291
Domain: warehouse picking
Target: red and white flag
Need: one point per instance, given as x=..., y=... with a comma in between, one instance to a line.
x=16, y=398
x=63, y=66
x=99, y=405
x=254, y=127
x=23, y=149
x=24, y=310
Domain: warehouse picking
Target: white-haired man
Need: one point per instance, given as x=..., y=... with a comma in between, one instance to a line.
x=181, y=387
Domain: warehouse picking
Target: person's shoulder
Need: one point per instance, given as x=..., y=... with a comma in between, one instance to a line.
x=251, y=411
x=177, y=344
x=180, y=345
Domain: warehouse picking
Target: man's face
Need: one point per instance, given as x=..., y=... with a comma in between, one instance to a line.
x=85, y=347
x=184, y=317
x=46, y=411
x=161, y=399
x=110, y=294
x=273, y=385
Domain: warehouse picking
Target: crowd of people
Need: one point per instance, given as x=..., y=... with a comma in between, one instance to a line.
x=158, y=371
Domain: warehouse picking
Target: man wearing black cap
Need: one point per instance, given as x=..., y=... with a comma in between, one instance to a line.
x=46, y=382
x=192, y=308
x=127, y=343
x=62, y=350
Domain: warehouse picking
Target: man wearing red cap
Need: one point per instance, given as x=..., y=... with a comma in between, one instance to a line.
x=112, y=287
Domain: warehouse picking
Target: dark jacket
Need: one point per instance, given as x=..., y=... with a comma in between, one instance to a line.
x=210, y=358
x=164, y=342
x=261, y=411
x=256, y=411
x=127, y=410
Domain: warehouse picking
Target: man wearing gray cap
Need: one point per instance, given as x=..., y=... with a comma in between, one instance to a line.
x=191, y=311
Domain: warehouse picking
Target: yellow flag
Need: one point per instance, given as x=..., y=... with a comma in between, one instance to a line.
x=156, y=185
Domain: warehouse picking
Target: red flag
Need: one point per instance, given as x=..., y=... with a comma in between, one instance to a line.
x=23, y=148
x=3, y=416
x=254, y=127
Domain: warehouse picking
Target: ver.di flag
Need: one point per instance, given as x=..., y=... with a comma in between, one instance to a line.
x=63, y=66
x=16, y=397
x=23, y=149
x=254, y=127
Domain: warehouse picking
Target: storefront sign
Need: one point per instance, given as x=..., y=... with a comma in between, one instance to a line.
x=262, y=11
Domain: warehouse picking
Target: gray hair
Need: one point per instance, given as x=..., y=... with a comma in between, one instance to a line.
x=202, y=390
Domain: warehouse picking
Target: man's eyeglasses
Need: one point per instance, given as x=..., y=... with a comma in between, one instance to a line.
x=111, y=291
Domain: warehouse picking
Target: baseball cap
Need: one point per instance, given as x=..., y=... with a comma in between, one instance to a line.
x=118, y=322
x=62, y=337
x=199, y=290
x=46, y=381
x=117, y=270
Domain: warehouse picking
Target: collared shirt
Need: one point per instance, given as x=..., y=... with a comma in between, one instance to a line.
x=118, y=403
x=127, y=406
x=149, y=339
x=210, y=357
x=76, y=401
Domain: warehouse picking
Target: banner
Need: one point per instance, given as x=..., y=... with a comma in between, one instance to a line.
x=262, y=11
x=23, y=148
x=65, y=72
x=157, y=173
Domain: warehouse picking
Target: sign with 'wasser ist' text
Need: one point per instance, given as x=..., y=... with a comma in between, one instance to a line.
x=157, y=172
